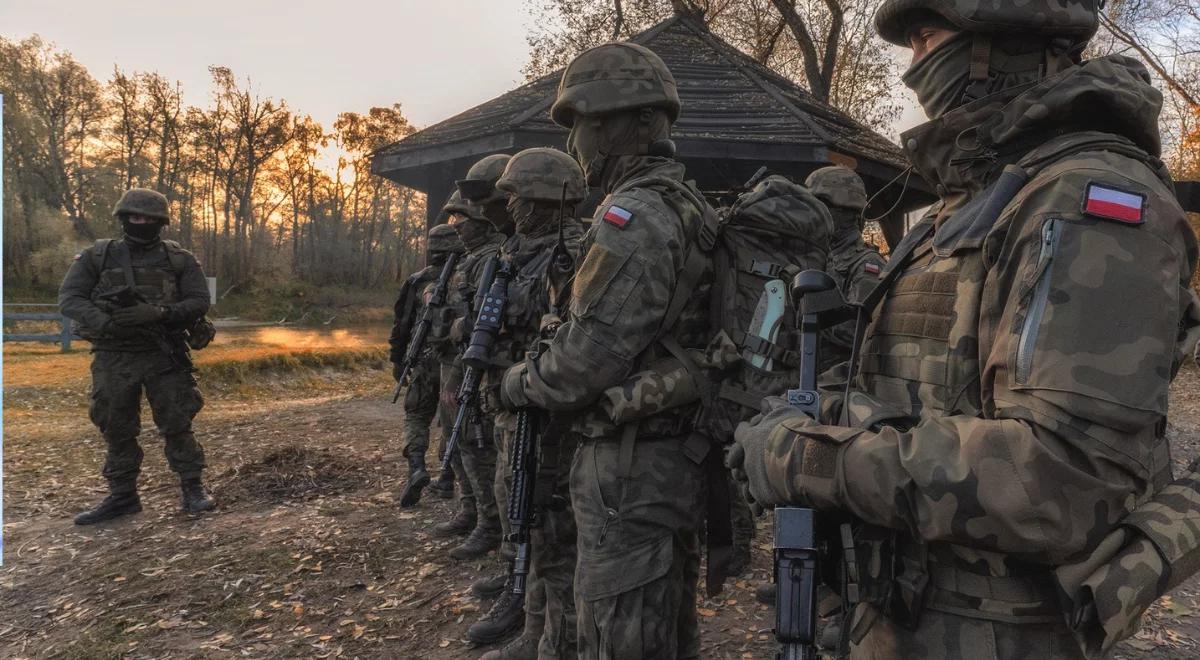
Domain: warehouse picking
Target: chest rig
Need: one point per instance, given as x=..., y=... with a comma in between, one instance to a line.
x=154, y=272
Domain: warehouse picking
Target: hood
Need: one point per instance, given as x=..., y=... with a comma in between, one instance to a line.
x=961, y=152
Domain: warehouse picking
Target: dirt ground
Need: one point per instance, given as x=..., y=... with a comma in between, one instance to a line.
x=309, y=554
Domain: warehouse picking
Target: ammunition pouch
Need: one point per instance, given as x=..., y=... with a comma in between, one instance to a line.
x=1152, y=550
x=200, y=333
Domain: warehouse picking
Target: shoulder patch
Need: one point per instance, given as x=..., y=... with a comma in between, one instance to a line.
x=872, y=268
x=1110, y=203
x=78, y=256
x=617, y=216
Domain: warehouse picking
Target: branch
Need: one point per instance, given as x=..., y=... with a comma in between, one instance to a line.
x=828, y=65
x=812, y=66
x=620, y=20
x=1150, y=58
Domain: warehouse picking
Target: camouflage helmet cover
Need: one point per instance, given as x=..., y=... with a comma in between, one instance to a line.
x=479, y=186
x=539, y=173
x=1075, y=19
x=614, y=77
x=456, y=204
x=143, y=201
x=839, y=186
x=443, y=238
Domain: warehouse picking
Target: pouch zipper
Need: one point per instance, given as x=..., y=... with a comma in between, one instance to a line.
x=1037, y=301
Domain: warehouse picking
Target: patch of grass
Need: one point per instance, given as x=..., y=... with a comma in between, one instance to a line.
x=244, y=365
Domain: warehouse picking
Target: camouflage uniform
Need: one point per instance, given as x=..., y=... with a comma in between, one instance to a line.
x=853, y=263
x=421, y=396
x=638, y=490
x=149, y=356
x=534, y=179
x=478, y=463
x=1013, y=393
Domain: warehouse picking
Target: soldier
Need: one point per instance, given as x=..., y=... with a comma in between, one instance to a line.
x=533, y=181
x=854, y=264
x=1011, y=403
x=478, y=517
x=421, y=398
x=133, y=298
x=638, y=490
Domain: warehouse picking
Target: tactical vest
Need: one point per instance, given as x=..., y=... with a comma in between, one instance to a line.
x=156, y=272
x=920, y=358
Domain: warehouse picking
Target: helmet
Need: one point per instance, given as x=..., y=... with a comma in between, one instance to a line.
x=1075, y=19
x=479, y=187
x=839, y=186
x=456, y=204
x=540, y=173
x=443, y=238
x=144, y=201
x=613, y=77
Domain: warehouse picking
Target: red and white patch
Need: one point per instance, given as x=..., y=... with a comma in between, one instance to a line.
x=873, y=269
x=1112, y=204
x=617, y=217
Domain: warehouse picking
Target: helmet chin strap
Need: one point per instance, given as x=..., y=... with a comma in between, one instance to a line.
x=1057, y=56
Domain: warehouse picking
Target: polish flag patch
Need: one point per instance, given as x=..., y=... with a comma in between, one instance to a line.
x=1112, y=204
x=872, y=268
x=617, y=217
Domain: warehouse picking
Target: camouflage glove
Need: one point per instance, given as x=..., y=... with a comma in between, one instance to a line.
x=512, y=388
x=138, y=314
x=457, y=329
x=777, y=461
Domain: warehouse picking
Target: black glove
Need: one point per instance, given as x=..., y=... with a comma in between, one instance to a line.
x=397, y=370
x=111, y=329
x=138, y=314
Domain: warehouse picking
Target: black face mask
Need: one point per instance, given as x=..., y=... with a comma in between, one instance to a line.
x=141, y=233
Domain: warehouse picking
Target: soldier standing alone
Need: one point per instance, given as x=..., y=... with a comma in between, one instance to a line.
x=133, y=297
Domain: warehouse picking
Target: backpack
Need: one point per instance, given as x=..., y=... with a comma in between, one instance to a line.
x=768, y=236
x=199, y=333
x=756, y=246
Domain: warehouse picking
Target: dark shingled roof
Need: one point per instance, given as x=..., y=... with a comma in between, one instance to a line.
x=736, y=116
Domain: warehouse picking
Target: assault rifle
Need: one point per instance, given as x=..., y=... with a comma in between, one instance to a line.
x=536, y=447
x=801, y=541
x=126, y=296
x=416, y=343
x=477, y=357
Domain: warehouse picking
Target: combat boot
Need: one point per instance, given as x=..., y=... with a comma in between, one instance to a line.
x=478, y=543
x=765, y=593
x=194, y=499
x=444, y=486
x=418, y=479
x=490, y=586
x=524, y=647
x=114, y=506
x=506, y=617
x=460, y=525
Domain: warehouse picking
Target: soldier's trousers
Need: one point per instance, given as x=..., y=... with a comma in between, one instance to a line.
x=639, y=504
x=421, y=407
x=944, y=636
x=118, y=380
x=475, y=465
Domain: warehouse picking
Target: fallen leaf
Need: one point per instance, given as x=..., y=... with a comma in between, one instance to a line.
x=704, y=611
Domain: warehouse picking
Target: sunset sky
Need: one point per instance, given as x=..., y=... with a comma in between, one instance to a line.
x=436, y=58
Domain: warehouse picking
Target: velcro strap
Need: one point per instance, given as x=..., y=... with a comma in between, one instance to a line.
x=743, y=398
x=765, y=348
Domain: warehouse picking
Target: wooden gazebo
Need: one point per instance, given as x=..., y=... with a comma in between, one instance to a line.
x=737, y=116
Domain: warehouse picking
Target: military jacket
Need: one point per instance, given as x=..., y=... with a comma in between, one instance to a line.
x=635, y=254
x=1013, y=389
x=165, y=274
x=407, y=310
x=460, y=298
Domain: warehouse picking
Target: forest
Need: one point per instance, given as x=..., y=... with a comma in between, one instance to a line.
x=270, y=200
